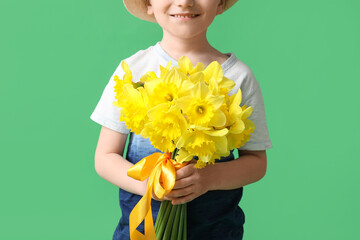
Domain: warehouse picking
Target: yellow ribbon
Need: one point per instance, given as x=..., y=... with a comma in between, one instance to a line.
x=161, y=170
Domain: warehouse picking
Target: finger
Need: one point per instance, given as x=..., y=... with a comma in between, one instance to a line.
x=184, y=182
x=156, y=198
x=185, y=171
x=184, y=199
x=176, y=193
x=168, y=198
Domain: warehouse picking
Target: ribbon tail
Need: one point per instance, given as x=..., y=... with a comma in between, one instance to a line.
x=138, y=214
x=149, y=227
x=142, y=211
x=137, y=235
x=161, y=171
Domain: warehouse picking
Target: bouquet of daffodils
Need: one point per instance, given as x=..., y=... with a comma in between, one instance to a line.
x=186, y=112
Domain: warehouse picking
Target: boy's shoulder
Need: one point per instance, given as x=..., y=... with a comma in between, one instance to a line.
x=140, y=57
x=237, y=66
x=242, y=75
x=140, y=62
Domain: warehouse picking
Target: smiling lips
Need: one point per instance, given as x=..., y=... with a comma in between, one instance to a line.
x=184, y=15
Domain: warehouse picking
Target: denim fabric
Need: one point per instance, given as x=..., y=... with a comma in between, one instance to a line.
x=214, y=215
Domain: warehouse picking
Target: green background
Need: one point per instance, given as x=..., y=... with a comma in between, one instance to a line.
x=57, y=56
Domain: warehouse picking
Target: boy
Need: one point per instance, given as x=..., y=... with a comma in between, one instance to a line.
x=212, y=193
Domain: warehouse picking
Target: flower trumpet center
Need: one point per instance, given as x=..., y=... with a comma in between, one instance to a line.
x=169, y=97
x=200, y=109
x=164, y=93
x=200, y=112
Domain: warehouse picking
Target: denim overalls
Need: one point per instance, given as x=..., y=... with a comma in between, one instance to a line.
x=214, y=215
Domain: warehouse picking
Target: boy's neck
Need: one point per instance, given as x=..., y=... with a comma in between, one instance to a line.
x=197, y=50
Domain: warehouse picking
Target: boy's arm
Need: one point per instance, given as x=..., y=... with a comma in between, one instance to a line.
x=111, y=166
x=250, y=167
x=191, y=182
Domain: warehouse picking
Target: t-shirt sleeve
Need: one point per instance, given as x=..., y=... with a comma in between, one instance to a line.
x=259, y=140
x=105, y=113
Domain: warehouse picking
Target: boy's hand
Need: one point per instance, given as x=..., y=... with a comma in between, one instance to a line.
x=190, y=183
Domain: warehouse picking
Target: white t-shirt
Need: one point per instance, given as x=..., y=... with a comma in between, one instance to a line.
x=107, y=115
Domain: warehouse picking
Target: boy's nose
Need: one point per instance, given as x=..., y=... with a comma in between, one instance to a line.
x=184, y=3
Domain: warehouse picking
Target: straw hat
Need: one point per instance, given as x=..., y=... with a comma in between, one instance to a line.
x=138, y=8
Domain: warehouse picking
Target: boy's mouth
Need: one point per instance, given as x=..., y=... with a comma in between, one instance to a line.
x=184, y=15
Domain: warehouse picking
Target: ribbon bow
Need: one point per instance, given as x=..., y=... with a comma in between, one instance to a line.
x=160, y=169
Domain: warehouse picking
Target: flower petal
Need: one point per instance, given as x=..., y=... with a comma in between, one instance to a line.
x=183, y=156
x=216, y=101
x=217, y=133
x=221, y=145
x=219, y=119
x=213, y=70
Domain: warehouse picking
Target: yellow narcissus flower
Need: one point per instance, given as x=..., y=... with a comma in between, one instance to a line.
x=168, y=122
x=200, y=164
x=148, y=77
x=215, y=71
x=200, y=141
x=166, y=125
x=235, y=112
x=194, y=74
x=183, y=156
x=236, y=139
x=186, y=66
x=240, y=127
x=187, y=108
x=167, y=90
x=164, y=70
x=224, y=108
x=203, y=142
x=197, y=143
x=205, y=160
x=158, y=141
x=202, y=108
x=151, y=75
x=127, y=79
x=197, y=77
x=134, y=108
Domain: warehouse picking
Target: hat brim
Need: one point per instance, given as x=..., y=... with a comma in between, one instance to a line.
x=138, y=8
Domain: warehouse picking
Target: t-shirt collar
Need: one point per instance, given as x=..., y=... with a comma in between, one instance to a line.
x=161, y=52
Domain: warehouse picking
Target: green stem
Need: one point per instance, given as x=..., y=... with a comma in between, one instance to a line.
x=173, y=154
x=181, y=225
x=167, y=215
x=169, y=224
x=160, y=216
x=175, y=227
x=164, y=219
x=185, y=222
